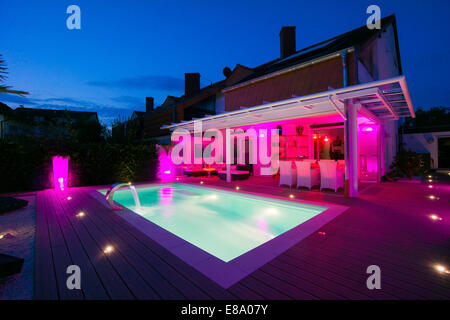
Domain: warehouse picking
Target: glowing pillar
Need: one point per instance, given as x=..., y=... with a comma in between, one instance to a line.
x=351, y=150
x=60, y=172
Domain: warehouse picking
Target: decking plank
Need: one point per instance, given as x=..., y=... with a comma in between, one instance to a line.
x=159, y=284
x=45, y=286
x=111, y=280
x=91, y=286
x=136, y=284
x=61, y=256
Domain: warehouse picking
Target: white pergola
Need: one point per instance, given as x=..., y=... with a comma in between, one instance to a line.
x=379, y=101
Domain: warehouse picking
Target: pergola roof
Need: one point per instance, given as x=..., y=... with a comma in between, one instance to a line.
x=387, y=99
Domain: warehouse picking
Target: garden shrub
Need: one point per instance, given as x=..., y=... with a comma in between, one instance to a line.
x=27, y=164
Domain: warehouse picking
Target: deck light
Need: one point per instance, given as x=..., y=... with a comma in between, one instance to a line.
x=237, y=188
x=441, y=269
x=201, y=182
x=322, y=233
x=291, y=196
x=430, y=186
x=448, y=173
x=178, y=179
x=108, y=249
x=430, y=176
x=430, y=180
x=1, y=236
x=431, y=197
x=80, y=214
x=435, y=217
x=69, y=198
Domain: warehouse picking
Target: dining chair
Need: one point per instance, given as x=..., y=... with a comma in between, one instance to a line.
x=331, y=177
x=306, y=175
x=287, y=177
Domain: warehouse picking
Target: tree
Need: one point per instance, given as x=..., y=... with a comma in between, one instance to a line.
x=3, y=75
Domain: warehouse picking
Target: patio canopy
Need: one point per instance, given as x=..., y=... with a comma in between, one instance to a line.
x=387, y=99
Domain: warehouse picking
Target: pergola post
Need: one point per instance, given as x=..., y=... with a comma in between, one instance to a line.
x=228, y=153
x=380, y=152
x=351, y=149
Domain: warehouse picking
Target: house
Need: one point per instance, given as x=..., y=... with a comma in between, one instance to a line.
x=196, y=102
x=23, y=122
x=338, y=99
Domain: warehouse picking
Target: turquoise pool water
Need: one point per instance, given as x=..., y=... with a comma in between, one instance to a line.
x=225, y=224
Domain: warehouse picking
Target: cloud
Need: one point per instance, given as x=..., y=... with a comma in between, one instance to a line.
x=168, y=83
x=7, y=97
x=106, y=113
x=137, y=102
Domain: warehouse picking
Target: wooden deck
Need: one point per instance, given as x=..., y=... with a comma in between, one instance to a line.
x=388, y=226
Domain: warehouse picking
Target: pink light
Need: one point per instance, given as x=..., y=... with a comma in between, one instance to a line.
x=166, y=167
x=326, y=139
x=60, y=172
x=368, y=129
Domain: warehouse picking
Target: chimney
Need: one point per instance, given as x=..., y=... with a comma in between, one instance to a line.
x=148, y=104
x=287, y=41
x=191, y=83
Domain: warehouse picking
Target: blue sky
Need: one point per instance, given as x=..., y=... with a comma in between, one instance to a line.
x=131, y=49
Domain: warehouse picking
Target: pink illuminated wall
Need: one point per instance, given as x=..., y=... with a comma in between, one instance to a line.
x=166, y=169
x=60, y=172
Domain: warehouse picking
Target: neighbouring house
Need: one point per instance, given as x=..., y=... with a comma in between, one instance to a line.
x=433, y=140
x=429, y=133
x=339, y=100
x=20, y=122
x=196, y=102
x=133, y=128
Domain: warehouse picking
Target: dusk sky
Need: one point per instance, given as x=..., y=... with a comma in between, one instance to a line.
x=127, y=50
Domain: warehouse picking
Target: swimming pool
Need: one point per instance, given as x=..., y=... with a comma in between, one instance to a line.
x=222, y=233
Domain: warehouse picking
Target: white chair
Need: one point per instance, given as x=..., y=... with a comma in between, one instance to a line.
x=287, y=177
x=307, y=176
x=330, y=176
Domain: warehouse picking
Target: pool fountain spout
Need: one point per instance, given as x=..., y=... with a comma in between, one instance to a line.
x=117, y=186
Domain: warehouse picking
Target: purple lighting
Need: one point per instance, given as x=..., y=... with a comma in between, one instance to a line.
x=165, y=164
x=60, y=172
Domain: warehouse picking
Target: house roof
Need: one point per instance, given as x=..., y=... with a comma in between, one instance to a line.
x=51, y=113
x=344, y=41
x=380, y=100
x=5, y=109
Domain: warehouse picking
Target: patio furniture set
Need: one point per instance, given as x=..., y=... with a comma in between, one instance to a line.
x=329, y=174
x=238, y=172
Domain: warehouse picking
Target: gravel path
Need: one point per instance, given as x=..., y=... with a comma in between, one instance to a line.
x=21, y=224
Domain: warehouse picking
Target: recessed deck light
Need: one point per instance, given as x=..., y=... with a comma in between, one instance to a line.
x=201, y=182
x=237, y=188
x=1, y=236
x=441, y=269
x=432, y=197
x=430, y=176
x=178, y=179
x=435, y=217
x=80, y=214
x=69, y=198
x=108, y=249
x=430, y=180
x=430, y=186
x=291, y=196
x=322, y=233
